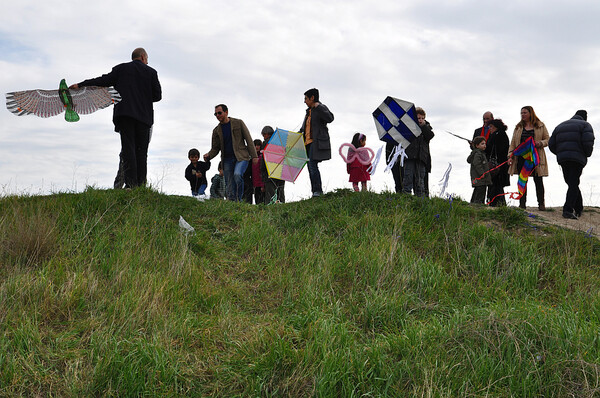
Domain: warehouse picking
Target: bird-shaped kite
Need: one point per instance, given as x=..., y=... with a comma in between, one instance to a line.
x=46, y=103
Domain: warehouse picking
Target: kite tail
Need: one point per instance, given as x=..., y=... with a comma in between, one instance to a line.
x=513, y=195
x=71, y=115
x=497, y=167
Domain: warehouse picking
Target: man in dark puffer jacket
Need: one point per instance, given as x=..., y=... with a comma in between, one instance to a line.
x=572, y=142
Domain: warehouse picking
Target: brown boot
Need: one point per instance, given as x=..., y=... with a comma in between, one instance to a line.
x=542, y=206
x=522, y=203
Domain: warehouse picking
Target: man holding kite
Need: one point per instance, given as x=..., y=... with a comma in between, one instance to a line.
x=133, y=117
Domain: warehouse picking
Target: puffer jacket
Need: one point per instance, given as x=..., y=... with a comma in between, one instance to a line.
x=572, y=141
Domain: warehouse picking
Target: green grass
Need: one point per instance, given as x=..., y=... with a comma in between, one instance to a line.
x=350, y=294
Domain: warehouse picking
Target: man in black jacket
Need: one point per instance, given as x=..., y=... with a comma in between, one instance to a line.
x=572, y=142
x=133, y=117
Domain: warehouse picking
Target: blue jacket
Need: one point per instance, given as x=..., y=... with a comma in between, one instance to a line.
x=572, y=141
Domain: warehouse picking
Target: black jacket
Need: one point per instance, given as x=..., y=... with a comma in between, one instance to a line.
x=139, y=87
x=572, y=141
x=195, y=181
x=419, y=147
x=320, y=117
x=497, y=147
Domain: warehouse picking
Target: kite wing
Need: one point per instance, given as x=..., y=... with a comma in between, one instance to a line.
x=47, y=103
x=42, y=103
x=285, y=155
x=396, y=121
x=88, y=100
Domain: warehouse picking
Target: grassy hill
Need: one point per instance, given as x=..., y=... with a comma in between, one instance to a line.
x=349, y=294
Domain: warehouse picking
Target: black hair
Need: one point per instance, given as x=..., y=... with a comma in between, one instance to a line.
x=313, y=92
x=193, y=152
x=356, y=139
x=223, y=106
x=499, y=124
x=258, y=142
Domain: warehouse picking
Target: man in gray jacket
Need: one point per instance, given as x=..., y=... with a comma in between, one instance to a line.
x=316, y=137
x=572, y=142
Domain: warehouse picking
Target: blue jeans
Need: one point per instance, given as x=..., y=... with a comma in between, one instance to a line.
x=233, y=171
x=313, y=172
x=200, y=191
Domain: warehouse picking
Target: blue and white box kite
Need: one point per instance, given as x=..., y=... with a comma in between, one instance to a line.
x=396, y=121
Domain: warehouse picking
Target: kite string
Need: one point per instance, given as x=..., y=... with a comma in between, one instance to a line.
x=490, y=170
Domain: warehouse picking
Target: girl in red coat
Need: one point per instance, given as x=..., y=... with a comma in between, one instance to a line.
x=359, y=160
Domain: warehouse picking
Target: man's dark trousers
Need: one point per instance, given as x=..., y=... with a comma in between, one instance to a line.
x=574, y=202
x=135, y=137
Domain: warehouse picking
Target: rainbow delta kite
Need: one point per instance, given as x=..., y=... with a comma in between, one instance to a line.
x=285, y=155
x=527, y=151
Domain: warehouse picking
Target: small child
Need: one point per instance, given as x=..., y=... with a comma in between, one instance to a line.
x=357, y=170
x=217, y=184
x=479, y=167
x=195, y=173
x=257, y=182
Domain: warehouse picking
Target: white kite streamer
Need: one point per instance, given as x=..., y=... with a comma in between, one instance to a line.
x=398, y=152
x=444, y=181
x=373, y=167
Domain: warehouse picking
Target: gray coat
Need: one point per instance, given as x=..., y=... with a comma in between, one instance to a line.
x=572, y=141
x=479, y=165
x=321, y=145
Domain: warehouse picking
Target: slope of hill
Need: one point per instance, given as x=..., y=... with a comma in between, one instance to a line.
x=349, y=294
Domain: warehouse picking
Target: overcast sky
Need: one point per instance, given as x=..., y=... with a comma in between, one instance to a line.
x=456, y=59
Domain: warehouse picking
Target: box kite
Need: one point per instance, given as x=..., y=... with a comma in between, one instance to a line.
x=47, y=103
x=396, y=122
x=285, y=155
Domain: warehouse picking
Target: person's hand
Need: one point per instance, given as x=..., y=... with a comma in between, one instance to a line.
x=205, y=156
x=538, y=145
x=73, y=86
x=198, y=174
x=262, y=189
x=255, y=160
x=510, y=160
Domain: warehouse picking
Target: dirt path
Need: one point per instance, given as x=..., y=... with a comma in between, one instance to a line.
x=588, y=223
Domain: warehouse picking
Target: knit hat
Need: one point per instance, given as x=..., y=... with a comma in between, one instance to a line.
x=582, y=113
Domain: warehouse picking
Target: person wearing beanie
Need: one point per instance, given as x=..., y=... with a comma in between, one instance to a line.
x=572, y=142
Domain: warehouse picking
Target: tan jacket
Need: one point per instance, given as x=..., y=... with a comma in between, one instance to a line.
x=239, y=134
x=540, y=135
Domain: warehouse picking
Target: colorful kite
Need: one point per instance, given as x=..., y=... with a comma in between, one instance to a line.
x=396, y=122
x=285, y=155
x=527, y=151
x=47, y=103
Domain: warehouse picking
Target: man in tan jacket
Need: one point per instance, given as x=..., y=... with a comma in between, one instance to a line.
x=232, y=138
